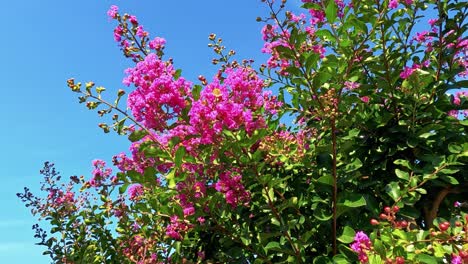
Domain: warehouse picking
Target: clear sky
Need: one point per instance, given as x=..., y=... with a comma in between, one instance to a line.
x=43, y=43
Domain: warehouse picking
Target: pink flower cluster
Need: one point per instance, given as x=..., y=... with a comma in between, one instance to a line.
x=177, y=227
x=408, y=71
x=458, y=96
x=132, y=37
x=394, y=3
x=159, y=96
x=100, y=173
x=234, y=192
x=188, y=192
x=135, y=191
x=360, y=245
x=58, y=198
x=276, y=38
x=231, y=105
x=113, y=11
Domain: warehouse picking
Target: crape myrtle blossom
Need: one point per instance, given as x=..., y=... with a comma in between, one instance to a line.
x=113, y=11
x=100, y=173
x=360, y=245
x=232, y=104
x=394, y=3
x=234, y=192
x=159, y=96
x=177, y=228
x=408, y=71
x=135, y=191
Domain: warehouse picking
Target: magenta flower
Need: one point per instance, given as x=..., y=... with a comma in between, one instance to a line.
x=360, y=245
x=234, y=192
x=393, y=4
x=365, y=99
x=351, y=85
x=157, y=43
x=457, y=204
x=432, y=21
x=135, y=191
x=133, y=20
x=457, y=260
x=141, y=32
x=113, y=11
x=189, y=211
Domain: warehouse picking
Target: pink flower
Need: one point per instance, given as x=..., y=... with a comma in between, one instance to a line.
x=365, y=99
x=189, y=211
x=432, y=21
x=407, y=71
x=133, y=20
x=158, y=97
x=100, y=173
x=453, y=113
x=157, y=43
x=176, y=227
x=457, y=204
x=456, y=260
x=118, y=31
x=233, y=189
x=421, y=36
x=140, y=32
x=393, y=4
x=135, y=191
x=113, y=11
x=360, y=245
x=351, y=85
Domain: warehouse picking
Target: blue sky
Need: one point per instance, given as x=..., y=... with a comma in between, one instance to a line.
x=46, y=42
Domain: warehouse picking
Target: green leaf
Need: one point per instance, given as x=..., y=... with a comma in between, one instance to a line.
x=403, y=163
x=453, y=148
x=326, y=179
x=393, y=190
x=272, y=245
x=177, y=74
x=400, y=233
x=347, y=236
x=325, y=34
x=331, y=11
x=450, y=179
x=137, y=135
x=340, y=259
x=196, y=91
x=375, y=259
x=380, y=248
x=353, y=166
x=426, y=259
x=323, y=214
x=123, y=188
x=179, y=155
x=321, y=260
x=464, y=122
x=402, y=174
x=170, y=178
x=354, y=200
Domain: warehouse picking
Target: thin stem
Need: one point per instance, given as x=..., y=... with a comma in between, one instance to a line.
x=335, y=186
x=150, y=134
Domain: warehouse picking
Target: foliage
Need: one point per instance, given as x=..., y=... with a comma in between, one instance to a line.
x=217, y=174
